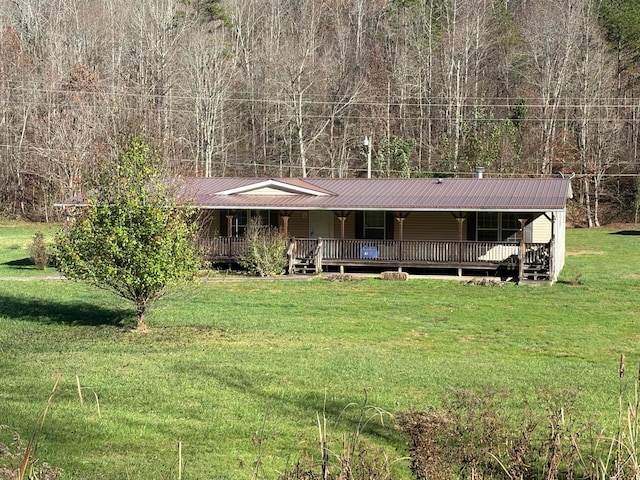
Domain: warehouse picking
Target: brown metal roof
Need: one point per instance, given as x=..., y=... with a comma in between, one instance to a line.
x=415, y=194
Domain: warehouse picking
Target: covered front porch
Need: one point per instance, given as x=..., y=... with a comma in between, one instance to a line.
x=522, y=260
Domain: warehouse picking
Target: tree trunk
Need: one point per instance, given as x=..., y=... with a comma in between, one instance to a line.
x=141, y=309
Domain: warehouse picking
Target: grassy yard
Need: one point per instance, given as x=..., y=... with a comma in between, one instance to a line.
x=15, y=239
x=238, y=370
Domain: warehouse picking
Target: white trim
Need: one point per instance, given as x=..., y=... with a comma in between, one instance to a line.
x=285, y=188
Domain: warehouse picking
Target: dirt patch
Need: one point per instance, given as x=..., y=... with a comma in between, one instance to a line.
x=583, y=251
x=342, y=277
x=632, y=276
x=622, y=226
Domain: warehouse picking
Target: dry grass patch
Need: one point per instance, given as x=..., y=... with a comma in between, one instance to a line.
x=583, y=251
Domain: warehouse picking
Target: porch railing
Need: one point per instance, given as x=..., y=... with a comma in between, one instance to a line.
x=401, y=251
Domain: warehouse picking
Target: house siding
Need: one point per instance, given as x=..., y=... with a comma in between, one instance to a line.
x=349, y=227
x=298, y=224
x=558, y=244
x=541, y=229
x=430, y=226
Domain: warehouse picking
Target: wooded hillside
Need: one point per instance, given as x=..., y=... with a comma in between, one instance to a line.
x=292, y=87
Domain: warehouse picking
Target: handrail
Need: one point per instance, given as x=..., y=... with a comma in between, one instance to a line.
x=404, y=251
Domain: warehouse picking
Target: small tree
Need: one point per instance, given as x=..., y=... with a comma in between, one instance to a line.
x=38, y=251
x=132, y=238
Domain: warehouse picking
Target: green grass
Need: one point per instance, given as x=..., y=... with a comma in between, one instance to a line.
x=15, y=239
x=224, y=357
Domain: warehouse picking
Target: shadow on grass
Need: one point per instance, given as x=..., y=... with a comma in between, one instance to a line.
x=339, y=410
x=77, y=313
x=626, y=232
x=21, y=264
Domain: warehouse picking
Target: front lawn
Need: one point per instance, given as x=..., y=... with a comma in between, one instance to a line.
x=237, y=371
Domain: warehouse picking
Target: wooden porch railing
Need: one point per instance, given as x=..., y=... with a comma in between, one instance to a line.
x=221, y=248
x=380, y=251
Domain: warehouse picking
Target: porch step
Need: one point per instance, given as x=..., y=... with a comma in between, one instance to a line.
x=535, y=273
x=303, y=265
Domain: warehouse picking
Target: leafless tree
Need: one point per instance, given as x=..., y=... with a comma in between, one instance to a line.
x=552, y=31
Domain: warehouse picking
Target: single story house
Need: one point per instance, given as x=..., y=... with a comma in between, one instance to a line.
x=486, y=226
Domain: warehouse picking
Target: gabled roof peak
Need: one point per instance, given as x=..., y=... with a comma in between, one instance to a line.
x=276, y=187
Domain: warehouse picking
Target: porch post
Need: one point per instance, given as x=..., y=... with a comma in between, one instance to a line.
x=229, y=224
x=400, y=216
x=460, y=218
x=342, y=216
x=552, y=248
x=523, y=249
x=285, y=223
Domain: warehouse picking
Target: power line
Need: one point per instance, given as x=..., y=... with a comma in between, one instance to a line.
x=280, y=98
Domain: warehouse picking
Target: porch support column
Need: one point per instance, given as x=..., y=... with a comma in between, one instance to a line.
x=285, y=223
x=342, y=216
x=460, y=218
x=552, y=248
x=521, y=259
x=400, y=216
x=229, y=216
x=552, y=243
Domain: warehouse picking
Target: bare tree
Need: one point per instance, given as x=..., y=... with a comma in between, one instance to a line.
x=552, y=31
x=208, y=84
x=596, y=126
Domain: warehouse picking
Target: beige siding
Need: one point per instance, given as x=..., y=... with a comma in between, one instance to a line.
x=430, y=226
x=267, y=191
x=558, y=252
x=349, y=226
x=210, y=222
x=417, y=226
x=541, y=232
x=298, y=224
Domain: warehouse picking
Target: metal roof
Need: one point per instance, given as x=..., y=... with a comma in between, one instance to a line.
x=414, y=194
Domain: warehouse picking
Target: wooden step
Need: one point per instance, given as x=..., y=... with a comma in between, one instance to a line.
x=303, y=265
x=535, y=273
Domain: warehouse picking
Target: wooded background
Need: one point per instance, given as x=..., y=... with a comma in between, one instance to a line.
x=292, y=87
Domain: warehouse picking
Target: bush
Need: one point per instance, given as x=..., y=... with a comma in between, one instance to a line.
x=266, y=250
x=468, y=438
x=38, y=251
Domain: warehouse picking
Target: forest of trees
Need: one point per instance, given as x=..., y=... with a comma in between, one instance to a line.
x=291, y=88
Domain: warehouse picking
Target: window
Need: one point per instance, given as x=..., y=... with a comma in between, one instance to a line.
x=494, y=227
x=239, y=223
x=269, y=217
x=510, y=227
x=374, y=223
x=487, y=227
x=241, y=219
